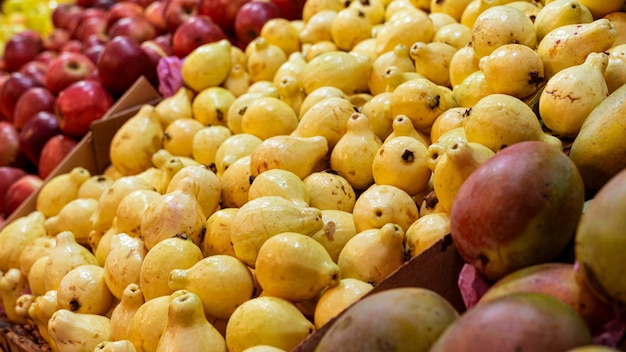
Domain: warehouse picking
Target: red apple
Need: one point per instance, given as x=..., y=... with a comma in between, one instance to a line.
x=36, y=70
x=154, y=13
x=21, y=48
x=250, y=19
x=223, y=12
x=53, y=152
x=92, y=22
x=104, y=4
x=9, y=143
x=290, y=9
x=67, y=68
x=177, y=11
x=80, y=104
x=158, y=48
x=93, y=52
x=137, y=27
x=195, y=31
x=36, y=132
x=121, y=63
x=46, y=56
x=8, y=176
x=64, y=16
x=12, y=89
x=34, y=100
x=143, y=3
x=121, y=10
x=56, y=39
x=74, y=45
x=20, y=190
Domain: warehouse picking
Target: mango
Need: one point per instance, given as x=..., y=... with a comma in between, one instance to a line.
x=600, y=241
x=400, y=319
x=525, y=321
x=558, y=280
x=518, y=208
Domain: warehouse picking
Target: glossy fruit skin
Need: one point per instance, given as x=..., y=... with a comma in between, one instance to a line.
x=121, y=63
x=529, y=220
x=80, y=104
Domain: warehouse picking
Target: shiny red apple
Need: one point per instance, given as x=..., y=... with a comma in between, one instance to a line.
x=158, y=48
x=67, y=68
x=8, y=176
x=36, y=132
x=53, y=153
x=195, y=31
x=80, y=104
x=250, y=19
x=177, y=11
x=20, y=190
x=35, y=69
x=290, y=9
x=12, y=89
x=154, y=13
x=74, y=45
x=121, y=63
x=223, y=12
x=92, y=21
x=121, y=10
x=33, y=101
x=21, y=48
x=65, y=16
x=137, y=27
x=9, y=143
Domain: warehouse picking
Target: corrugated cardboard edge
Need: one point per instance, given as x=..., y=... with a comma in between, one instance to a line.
x=92, y=152
x=436, y=269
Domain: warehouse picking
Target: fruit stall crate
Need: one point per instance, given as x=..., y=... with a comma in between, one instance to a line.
x=437, y=268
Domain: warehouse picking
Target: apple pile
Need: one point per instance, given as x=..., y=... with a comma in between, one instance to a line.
x=52, y=87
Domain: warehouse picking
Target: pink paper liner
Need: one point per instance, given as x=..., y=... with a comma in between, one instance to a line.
x=169, y=74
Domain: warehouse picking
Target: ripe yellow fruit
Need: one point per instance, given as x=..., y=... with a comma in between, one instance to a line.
x=295, y=267
x=283, y=34
x=264, y=59
x=197, y=75
x=336, y=299
x=499, y=25
x=432, y=60
x=206, y=142
x=425, y=232
x=560, y=13
x=282, y=183
x=338, y=229
x=217, y=235
x=178, y=252
x=233, y=148
x=521, y=66
x=261, y=218
x=406, y=27
x=500, y=120
x=456, y=34
x=210, y=106
x=235, y=182
x=300, y=155
x=74, y=217
x=421, y=100
x=267, y=320
x=178, y=136
x=84, y=290
x=338, y=69
x=328, y=190
x=402, y=162
x=385, y=254
x=572, y=93
x=349, y=27
x=317, y=28
x=267, y=117
x=381, y=204
x=222, y=282
x=328, y=118
x=60, y=190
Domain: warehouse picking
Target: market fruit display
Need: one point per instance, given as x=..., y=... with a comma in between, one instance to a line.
x=283, y=179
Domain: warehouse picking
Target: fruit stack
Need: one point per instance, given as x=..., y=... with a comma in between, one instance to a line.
x=104, y=45
x=280, y=181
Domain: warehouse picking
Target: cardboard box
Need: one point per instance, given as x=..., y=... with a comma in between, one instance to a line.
x=92, y=152
x=437, y=268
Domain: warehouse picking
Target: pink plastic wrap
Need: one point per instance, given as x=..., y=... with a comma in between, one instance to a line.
x=169, y=73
